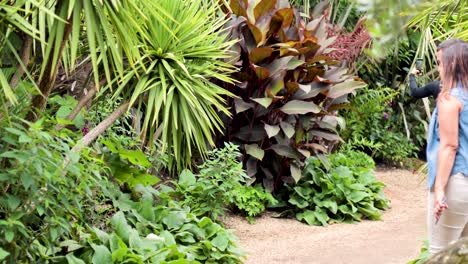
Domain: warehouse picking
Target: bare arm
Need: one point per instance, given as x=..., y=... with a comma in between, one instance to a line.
x=449, y=109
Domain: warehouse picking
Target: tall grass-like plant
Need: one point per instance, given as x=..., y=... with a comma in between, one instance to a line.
x=182, y=46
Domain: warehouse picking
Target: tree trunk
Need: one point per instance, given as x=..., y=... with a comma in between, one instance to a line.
x=47, y=82
x=94, y=133
x=25, y=56
x=100, y=128
x=456, y=253
x=20, y=70
x=83, y=101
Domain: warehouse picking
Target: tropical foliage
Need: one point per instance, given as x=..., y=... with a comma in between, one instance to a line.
x=344, y=190
x=386, y=140
x=84, y=217
x=288, y=90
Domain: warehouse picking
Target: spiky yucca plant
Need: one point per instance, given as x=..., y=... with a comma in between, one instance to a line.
x=182, y=46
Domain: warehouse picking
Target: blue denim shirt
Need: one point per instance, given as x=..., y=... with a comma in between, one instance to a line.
x=433, y=142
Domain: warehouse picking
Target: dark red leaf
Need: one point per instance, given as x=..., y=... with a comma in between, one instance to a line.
x=264, y=7
x=259, y=54
x=239, y=7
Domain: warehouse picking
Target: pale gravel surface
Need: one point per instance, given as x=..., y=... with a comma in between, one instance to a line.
x=395, y=239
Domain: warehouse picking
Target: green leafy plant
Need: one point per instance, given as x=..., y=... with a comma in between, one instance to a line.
x=73, y=214
x=423, y=255
x=38, y=205
x=251, y=200
x=373, y=127
x=342, y=190
x=288, y=90
x=209, y=192
x=182, y=47
x=128, y=166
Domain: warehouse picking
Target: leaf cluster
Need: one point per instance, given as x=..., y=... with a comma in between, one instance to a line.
x=374, y=126
x=73, y=214
x=219, y=185
x=288, y=89
x=344, y=190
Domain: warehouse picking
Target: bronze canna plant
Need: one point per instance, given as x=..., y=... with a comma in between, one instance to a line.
x=288, y=89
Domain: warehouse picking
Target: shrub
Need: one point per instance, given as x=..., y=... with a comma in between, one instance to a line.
x=220, y=185
x=288, y=90
x=372, y=126
x=251, y=200
x=342, y=190
x=75, y=215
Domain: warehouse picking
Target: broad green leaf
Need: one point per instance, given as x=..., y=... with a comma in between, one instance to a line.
x=330, y=205
x=119, y=222
x=71, y=259
x=187, y=178
x=168, y=238
x=9, y=235
x=272, y=130
x=288, y=129
x=300, y=107
x=3, y=254
x=298, y=201
x=296, y=172
x=344, y=88
x=321, y=216
x=174, y=220
x=71, y=245
x=308, y=216
x=221, y=241
x=255, y=151
x=265, y=102
x=357, y=196
x=101, y=254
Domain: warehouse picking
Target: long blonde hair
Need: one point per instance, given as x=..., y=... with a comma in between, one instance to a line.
x=455, y=63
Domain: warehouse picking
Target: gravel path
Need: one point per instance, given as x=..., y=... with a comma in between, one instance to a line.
x=395, y=239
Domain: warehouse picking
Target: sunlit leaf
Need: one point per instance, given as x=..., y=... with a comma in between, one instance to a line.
x=255, y=151
x=272, y=130
x=300, y=107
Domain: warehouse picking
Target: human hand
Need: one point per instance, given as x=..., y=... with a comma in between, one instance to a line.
x=440, y=204
x=415, y=71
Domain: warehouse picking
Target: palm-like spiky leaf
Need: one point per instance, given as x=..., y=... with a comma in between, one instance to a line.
x=182, y=46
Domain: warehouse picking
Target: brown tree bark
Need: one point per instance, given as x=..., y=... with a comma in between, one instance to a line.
x=95, y=132
x=100, y=128
x=47, y=82
x=20, y=70
x=25, y=57
x=83, y=101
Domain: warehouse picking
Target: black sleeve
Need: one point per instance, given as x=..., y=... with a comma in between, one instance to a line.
x=431, y=89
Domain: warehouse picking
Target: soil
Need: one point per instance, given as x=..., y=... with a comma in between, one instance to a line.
x=397, y=238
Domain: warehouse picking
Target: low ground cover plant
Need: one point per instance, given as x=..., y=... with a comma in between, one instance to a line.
x=340, y=189
x=220, y=184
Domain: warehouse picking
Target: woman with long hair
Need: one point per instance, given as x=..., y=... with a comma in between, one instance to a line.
x=447, y=152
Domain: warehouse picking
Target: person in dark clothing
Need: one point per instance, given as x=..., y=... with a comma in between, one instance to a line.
x=432, y=88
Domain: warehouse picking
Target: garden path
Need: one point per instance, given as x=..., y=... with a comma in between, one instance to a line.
x=397, y=238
